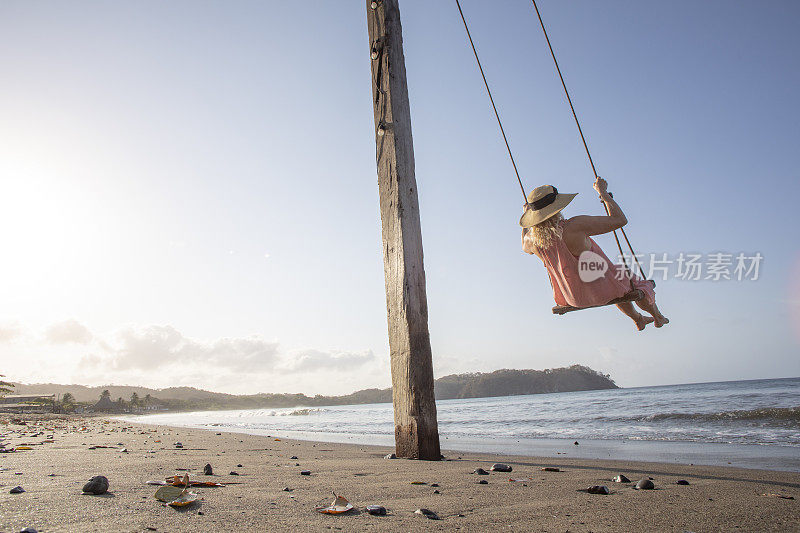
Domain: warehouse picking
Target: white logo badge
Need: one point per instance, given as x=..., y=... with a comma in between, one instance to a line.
x=591, y=266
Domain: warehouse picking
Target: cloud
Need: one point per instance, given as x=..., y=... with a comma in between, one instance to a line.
x=9, y=331
x=68, y=331
x=316, y=360
x=154, y=347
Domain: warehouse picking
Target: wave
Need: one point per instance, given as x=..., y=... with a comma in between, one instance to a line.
x=304, y=412
x=769, y=414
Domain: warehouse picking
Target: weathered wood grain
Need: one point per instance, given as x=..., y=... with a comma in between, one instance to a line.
x=416, y=428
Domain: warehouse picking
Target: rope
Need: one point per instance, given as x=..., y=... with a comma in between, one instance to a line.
x=489, y=91
x=585, y=146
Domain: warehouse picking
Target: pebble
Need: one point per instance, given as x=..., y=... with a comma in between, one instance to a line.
x=233, y=473
x=376, y=510
x=16, y=490
x=97, y=485
x=436, y=492
x=28, y=530
x=622, y=478
x=305, y=472
x=434, y=484
x=480, y=472
x=483, y=482
x=645, y=484
x=575, y=443
x=598, y=489
x=681, y=482
x=427, y=513
x=550, y=469
x=287, y=489
x=390, y=456
x=239, y=466
x=501, y=467
x=293, y=457
x=207, y=470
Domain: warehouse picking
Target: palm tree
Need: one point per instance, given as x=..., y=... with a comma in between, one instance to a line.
x=67, y=401
x=105, y=394
x=5, y=387
x=134, y=400
x=148, y=400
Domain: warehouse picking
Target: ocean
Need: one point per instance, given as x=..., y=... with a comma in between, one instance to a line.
x=751, y=424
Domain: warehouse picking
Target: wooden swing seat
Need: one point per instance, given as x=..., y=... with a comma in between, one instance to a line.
x=631, y=296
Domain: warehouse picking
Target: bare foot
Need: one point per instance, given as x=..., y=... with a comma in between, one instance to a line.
x=661, y=321
x=642, y=321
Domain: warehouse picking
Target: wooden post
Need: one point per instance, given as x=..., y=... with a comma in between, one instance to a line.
x=415, y=428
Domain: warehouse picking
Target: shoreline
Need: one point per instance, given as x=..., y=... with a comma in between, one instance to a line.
x=717, y=498
x=773, y=457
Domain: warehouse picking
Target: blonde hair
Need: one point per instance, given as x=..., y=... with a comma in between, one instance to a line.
x=543, y=235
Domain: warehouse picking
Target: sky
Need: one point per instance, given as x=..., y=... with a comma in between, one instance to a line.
x=189, y=193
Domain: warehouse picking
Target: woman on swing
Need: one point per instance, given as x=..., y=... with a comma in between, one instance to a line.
x=559, y=243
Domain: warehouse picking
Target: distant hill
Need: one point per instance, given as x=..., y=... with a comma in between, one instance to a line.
x=472, y=385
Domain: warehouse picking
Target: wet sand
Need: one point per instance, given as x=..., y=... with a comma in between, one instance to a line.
x=52, y=474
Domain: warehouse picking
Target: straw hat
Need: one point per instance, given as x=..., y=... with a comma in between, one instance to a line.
x=544, y=202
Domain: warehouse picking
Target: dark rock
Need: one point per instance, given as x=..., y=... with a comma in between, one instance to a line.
x=201, y=513
x=293, y=457
x=287, y=489
x=207, y=470
x=390, y=456
x=550, y=469
x=575, y=443
x=483, y=482
x=376, y=510
x=239, y=466
x=16, y=490
x=97, y=485
x=645, y=484
x=427, y=513
x=28, y=530
x=620, y=479
x=305, y=472
x=233, y=473
x=598, y=489
x=681, y=482
x=501, y=467
x=434, y=484
x=436, y=492
x=480, y=472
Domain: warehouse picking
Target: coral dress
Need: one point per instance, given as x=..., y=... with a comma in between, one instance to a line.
x=570, y=289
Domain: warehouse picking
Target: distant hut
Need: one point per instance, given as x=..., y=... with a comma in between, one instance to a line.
x=105, y=405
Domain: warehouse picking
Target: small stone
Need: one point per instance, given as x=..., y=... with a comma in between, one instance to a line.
x=550, y=469
x=576, y=443
x=293, y=457
x=390, y=456
x=207, y=470
x=436, y=492
x=427, y=513
x=434, y=484
x=28, y=530
x=16, y=490
x=97, y=485
x=376, y=510
x=305, y=472
x=681, y=482
x=501, y=467
x=483, y=482
x=287, y=489
x=239, y=466
x=233, y=473
x=598, y=489
x=480, y=472
x=645, y=484
x=201, y=513
x=620, y=479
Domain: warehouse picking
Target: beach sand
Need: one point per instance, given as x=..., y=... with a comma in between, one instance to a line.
x=52, y=474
